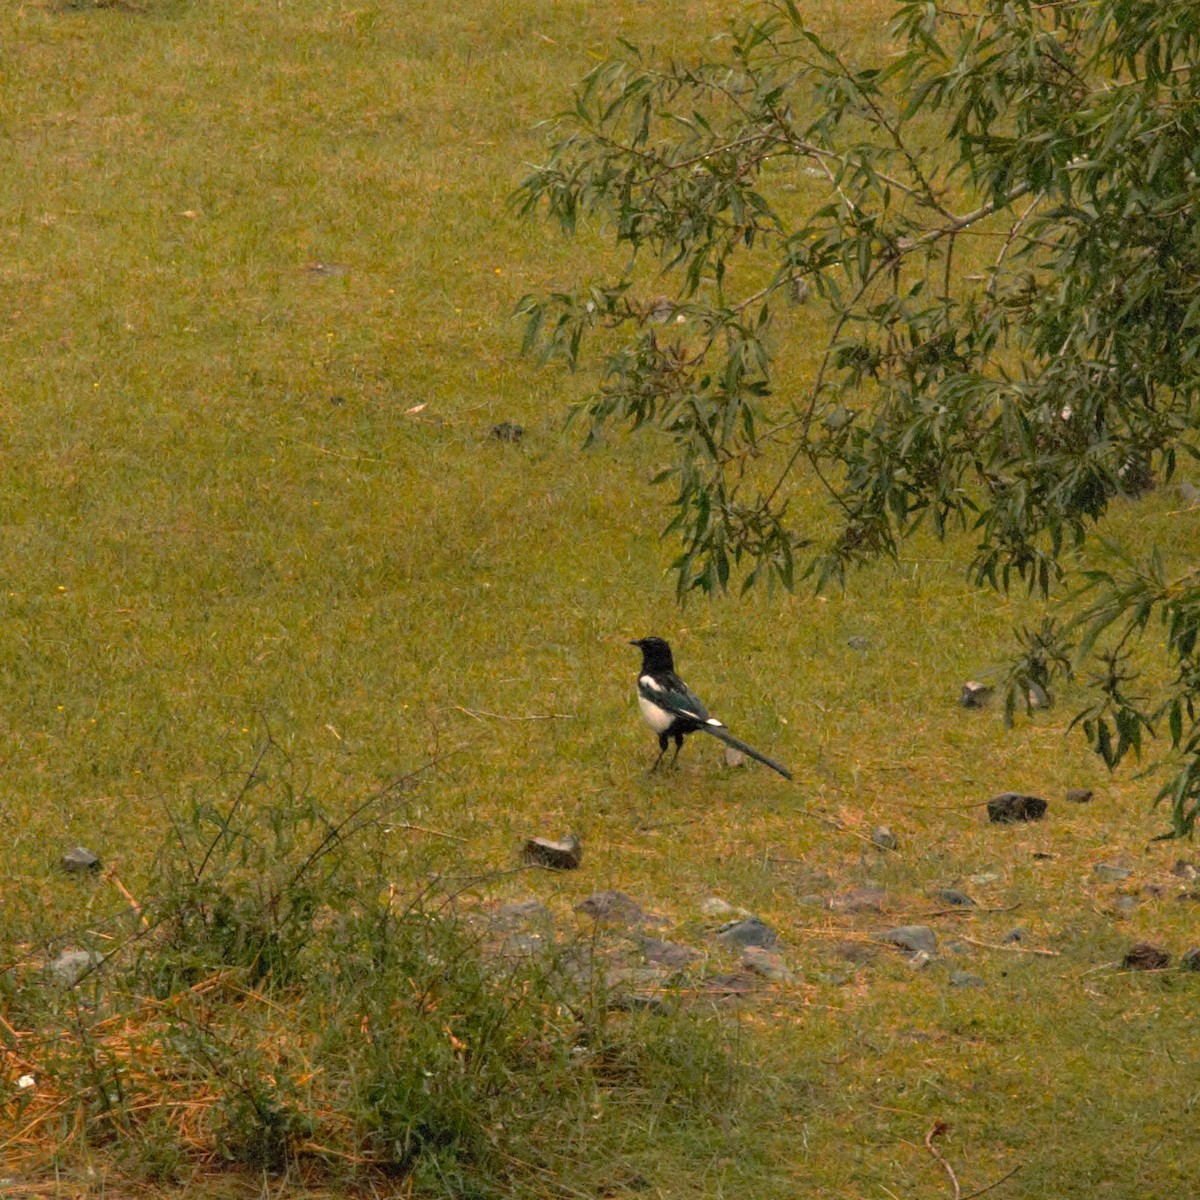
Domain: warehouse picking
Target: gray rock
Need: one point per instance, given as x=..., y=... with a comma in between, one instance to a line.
x=859, y=900
x=913, y=937
x=669, y=954
x=1079, y=795
x=563, y=855
x=884, y=838
x=79, y=861
x=734, y=757
x=1110, y=872
x=966, y=979
x=71, y=965
x=1191, y=960
x=750, y=932
x=1038, y=697
x=954, y=897
x=767, y=963
x=975, y=694
x=1017, y=934
x=854, y=952
x=1010, y=807
x=520, y=913
x=611, y=906
x=858, y=643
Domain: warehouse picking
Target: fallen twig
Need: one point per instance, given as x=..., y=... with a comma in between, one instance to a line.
x=137, y=908
x=998, y=1182
x=940, y=1127
x=1014, y=948
x=479, y=714
x=453, y=837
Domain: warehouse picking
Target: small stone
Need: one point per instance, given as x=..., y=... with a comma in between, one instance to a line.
x=1010, y=807
x=1079, y=795
x=913, y=937
x=563, y=855
x=798, y=290
x=611, y=906
x=1191, y=960
x=954, y=897
x=1014, y=935
x=767, y=963
x=508, y=431
x=859, y=900
x=1038, y=697
x=750, y=932
x=1110, y=872
x=660, y=310
x=884, y=838
x=855, y=952
x=1145, y=957
x=519, y=913
x=921, y=959
x=966, y=979
x=734, y=757
x=80, y=860
x=714, y=906
x=975, y=694
x=337, y=401
x=1185, y=869
x=71, y=965
x=858, y=643
x=669, y=954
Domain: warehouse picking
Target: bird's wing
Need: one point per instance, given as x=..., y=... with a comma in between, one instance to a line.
x=671, y=694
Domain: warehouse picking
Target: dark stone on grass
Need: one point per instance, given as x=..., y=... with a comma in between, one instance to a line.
x=954, y=897
x=750, y=932
x=966, y=979
x=859, y=900
x=1145, y=957
x=79, y=861
x=1191, y=960
x=858, y=643
x=507, y=431
x=1188, y=896
x=611, y=906
x=732, y=983
x=884, y=838
x=1185, y=869
x=71, y=965
x=563, y=855
x=913, y=937
x=975, y=694
x=1018, y=934
x=1110, y=872
x=1010, y=807
x=767, y=963
x=669, y=954
x=854, y=952
x=1079, y=795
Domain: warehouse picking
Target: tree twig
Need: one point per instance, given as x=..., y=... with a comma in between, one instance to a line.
x=939, y=1128
x=1013, y=949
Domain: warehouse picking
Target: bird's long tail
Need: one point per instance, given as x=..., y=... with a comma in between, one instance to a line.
x=719, y=731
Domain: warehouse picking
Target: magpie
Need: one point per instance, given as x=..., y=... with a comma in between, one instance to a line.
x=673, y=710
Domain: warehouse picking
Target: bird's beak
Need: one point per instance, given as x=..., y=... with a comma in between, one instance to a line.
x=637, y=643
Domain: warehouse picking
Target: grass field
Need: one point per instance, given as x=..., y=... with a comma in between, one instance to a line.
x=257, y=271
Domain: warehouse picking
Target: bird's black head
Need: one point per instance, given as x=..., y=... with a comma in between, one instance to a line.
x=656, y=655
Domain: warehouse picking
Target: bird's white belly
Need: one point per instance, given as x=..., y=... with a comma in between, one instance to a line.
x=657, y=718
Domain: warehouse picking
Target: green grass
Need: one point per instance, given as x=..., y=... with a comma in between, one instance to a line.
x=242, y=494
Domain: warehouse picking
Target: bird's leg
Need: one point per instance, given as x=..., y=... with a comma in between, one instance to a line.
x=663, y=743
x=678, y=747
